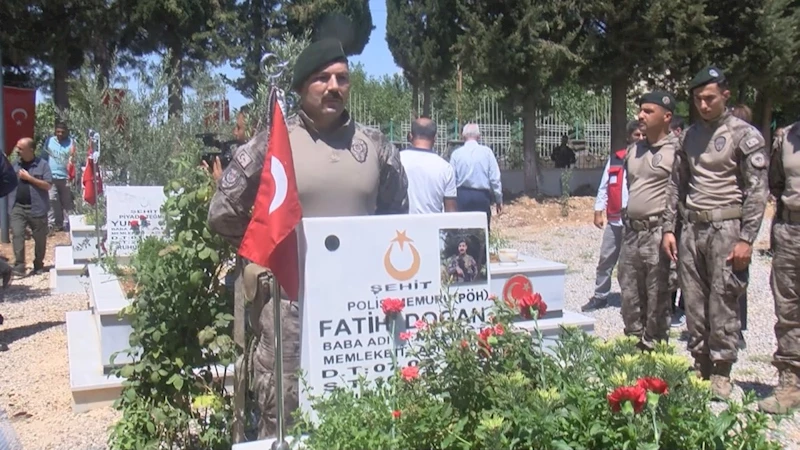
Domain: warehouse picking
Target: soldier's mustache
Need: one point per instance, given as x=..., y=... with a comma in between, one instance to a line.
x=337, y=97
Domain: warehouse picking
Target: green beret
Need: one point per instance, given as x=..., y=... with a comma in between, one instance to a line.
x=660, y=98
x=706, y=76
x=316, y=56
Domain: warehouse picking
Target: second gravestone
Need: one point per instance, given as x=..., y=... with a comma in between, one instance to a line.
x=133, y=213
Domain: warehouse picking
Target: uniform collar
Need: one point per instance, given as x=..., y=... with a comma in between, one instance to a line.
x=718, y=121
x=309, y=124
x=661, y=142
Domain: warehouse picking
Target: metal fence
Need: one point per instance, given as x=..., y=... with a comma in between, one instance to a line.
x=591, y=138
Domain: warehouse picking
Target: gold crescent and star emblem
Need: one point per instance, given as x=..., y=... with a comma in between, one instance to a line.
x=406, y=274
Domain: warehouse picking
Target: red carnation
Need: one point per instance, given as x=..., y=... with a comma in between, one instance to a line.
x=396, y=414
x=142, y=217
x=486, y=333
x=409, y=373
x=392, y=306
x=134, y=223
x=531, y=301
x=634, y=394
x=654, y=385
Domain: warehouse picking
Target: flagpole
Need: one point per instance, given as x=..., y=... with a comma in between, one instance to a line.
x=280, y=438
x=95, y=138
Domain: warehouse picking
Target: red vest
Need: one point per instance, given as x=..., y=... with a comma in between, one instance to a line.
x=616, y=172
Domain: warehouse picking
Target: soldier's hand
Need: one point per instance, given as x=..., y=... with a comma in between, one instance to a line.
x=599, y=221
x=739, y=257
x=670, y=246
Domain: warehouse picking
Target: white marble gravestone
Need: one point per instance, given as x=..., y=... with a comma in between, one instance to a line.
x=351, y=263
x=133, y=213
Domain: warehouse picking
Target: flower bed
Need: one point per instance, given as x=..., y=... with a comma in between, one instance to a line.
x=498, y=388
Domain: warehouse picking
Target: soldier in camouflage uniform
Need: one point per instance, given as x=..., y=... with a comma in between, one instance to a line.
x=784, y=184
x=644, y=270
x=342, y=169
x=719, y=186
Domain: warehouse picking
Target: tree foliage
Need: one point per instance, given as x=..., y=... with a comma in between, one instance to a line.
x=190, y=34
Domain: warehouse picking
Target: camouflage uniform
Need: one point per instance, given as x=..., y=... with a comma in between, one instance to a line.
x=719, y=182
x=350, y=171
x=644, y=270
x=784, y=184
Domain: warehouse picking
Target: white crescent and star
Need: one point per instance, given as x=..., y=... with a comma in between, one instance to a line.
x=281, y=183
x=19, y=110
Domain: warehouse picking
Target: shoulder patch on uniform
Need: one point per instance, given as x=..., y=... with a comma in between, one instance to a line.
x=231, y=179
x=758, y=161
x=719, y=143
x=657, y=159
x=243, y=159
x=359, y=149
x=752, y=142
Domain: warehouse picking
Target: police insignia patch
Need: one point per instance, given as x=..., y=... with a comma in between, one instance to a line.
x=231, y=179
x=657, y=159
x=719, y=143
x=243, y=159
x=359, y=150
x=758, y=161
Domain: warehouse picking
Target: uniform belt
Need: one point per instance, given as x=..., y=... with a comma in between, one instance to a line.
x=790, y=216
x=714, y=215
x=645, y=224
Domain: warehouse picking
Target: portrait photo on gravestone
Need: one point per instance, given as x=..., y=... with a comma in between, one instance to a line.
x=463, y=255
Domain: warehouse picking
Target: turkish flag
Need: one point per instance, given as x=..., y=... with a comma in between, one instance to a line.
x=271, y=236
x=89, y=174
x=19, y=115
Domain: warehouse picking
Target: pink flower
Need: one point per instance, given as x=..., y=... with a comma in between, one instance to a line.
x=420, y=324
x=134, y=223
x=410, y=373
x=405, y=336
x=142, y=217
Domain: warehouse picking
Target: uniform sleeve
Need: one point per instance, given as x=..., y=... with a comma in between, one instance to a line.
x=450, y=190
x=777, y=177
x=230, y=209
x=8, y=178
x=677, y=186
x=754, y=171
x=393, y=183
x=602, y=191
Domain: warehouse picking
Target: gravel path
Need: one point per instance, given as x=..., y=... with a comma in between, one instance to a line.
x=34, y=386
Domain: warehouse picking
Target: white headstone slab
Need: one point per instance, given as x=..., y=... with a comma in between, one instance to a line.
x=350, y=264
x=133, y=213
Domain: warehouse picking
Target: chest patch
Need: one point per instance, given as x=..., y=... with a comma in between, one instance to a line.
x=359, y=150
x=719, y=143
x=231, y=180
x=751, y=143
x=656, y=160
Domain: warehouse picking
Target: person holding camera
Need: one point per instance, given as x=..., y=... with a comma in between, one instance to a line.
x=241, y=133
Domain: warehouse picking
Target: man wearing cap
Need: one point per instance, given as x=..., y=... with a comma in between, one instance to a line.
x=643, y=270
x=343, y=169
x=719, y=186
x=784, y=184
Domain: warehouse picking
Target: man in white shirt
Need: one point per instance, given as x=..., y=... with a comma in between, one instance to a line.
x=612, y=199
x=477, y=175
x=431, y=180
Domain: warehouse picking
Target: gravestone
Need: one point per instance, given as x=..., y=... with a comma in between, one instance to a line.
x=132, y=214
x=350, y=264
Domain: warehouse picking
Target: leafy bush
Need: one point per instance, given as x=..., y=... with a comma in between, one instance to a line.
x=174, y=395
x=499, y=388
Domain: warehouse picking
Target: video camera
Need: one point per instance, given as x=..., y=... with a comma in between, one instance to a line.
x=225, y=152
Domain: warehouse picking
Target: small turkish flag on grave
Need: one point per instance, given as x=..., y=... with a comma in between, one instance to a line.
x=19, y=115
x=89, y=174
x=271, y=238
